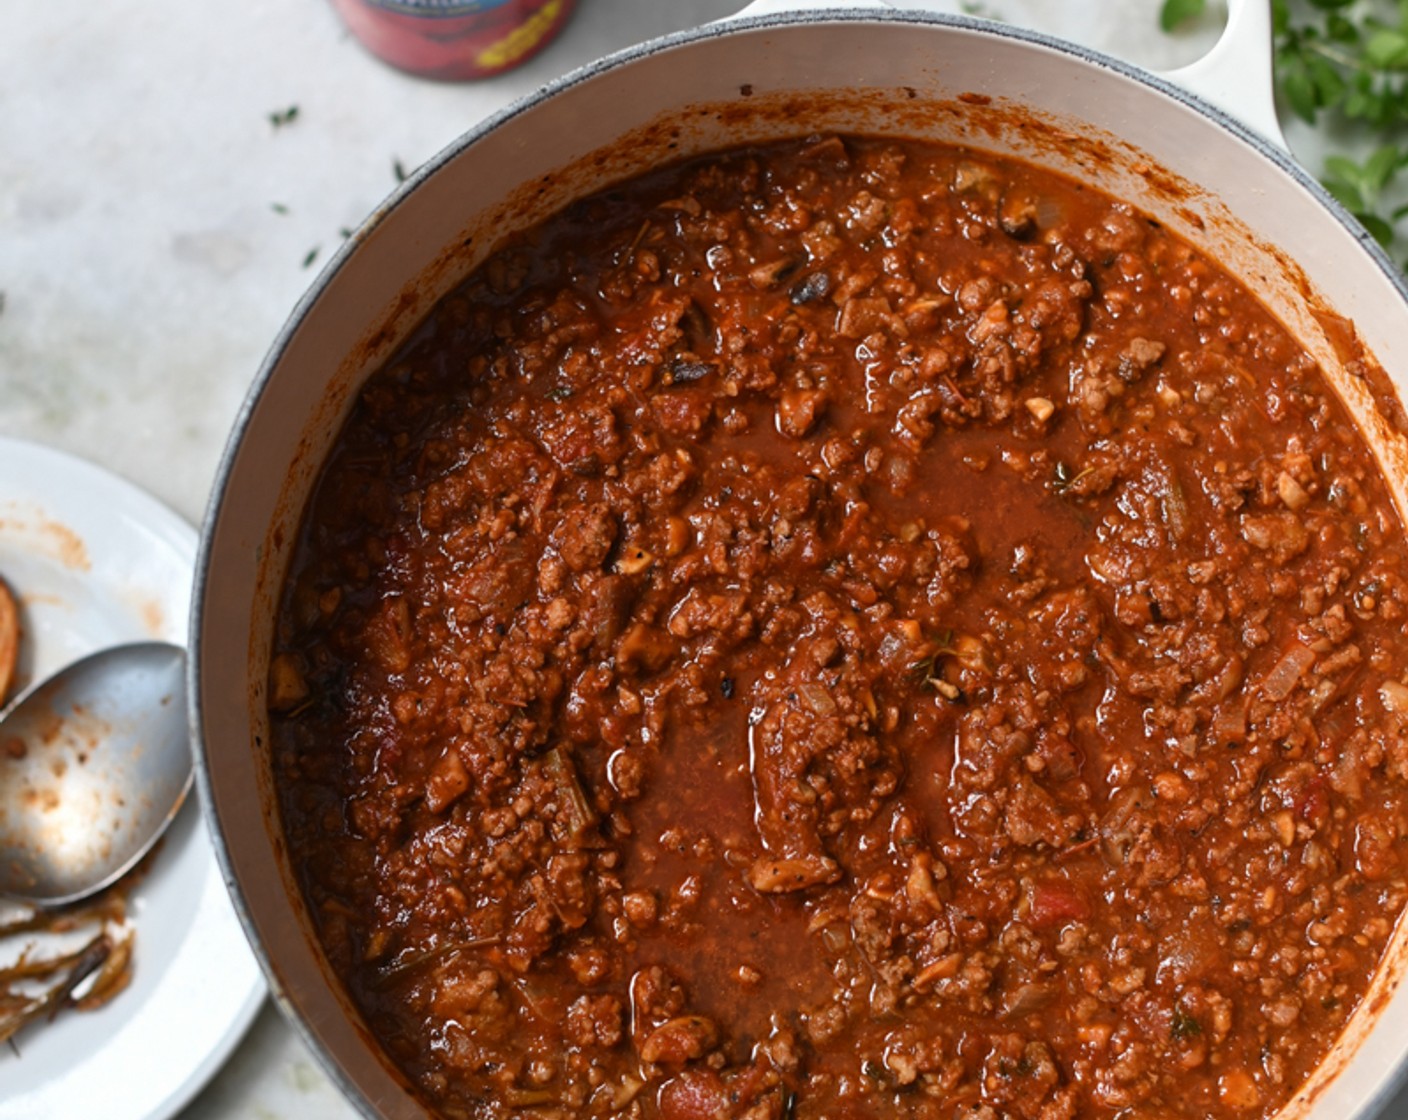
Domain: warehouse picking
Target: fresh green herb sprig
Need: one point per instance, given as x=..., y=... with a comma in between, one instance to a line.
x=1337, y=63
x=1343, y=56
x=1175, y=13
x=1360, y=186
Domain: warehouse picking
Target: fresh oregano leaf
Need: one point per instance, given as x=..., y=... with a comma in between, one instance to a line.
x=1175, y=13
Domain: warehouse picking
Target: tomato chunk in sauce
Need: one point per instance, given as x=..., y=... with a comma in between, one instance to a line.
x=849, y=628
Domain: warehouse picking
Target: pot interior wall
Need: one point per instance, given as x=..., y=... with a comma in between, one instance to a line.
x=946, y=80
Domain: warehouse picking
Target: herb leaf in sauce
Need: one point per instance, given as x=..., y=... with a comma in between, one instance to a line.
x=1184, y=1026
x=1066, y=477
x=929, y=670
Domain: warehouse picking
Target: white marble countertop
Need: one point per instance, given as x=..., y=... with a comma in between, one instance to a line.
x=157, y=226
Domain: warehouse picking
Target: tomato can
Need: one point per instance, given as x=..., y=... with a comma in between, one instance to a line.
x=454, y=39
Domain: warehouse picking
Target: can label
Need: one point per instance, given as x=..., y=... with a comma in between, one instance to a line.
x=454, y=39
x=448, y=9
x=522, y=39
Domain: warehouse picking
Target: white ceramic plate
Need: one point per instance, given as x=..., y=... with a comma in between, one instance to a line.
x=93, y=562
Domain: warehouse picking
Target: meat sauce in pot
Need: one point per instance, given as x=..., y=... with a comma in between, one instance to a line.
x=849, y=628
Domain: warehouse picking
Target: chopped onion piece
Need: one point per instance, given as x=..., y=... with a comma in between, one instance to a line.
x=1395, y=697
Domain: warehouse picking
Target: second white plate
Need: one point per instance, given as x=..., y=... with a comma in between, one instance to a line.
x=93, y=562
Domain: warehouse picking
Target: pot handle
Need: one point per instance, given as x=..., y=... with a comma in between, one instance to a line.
x=1235, y=75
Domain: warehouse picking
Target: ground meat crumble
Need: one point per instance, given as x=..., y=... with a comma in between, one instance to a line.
x=849, y=629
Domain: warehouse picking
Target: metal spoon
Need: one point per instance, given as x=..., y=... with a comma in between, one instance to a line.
x=94, y=763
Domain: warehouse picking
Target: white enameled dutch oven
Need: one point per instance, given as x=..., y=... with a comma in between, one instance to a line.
x=1226, y=186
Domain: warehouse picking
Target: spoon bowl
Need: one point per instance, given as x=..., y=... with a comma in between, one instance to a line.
x=94, y=764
